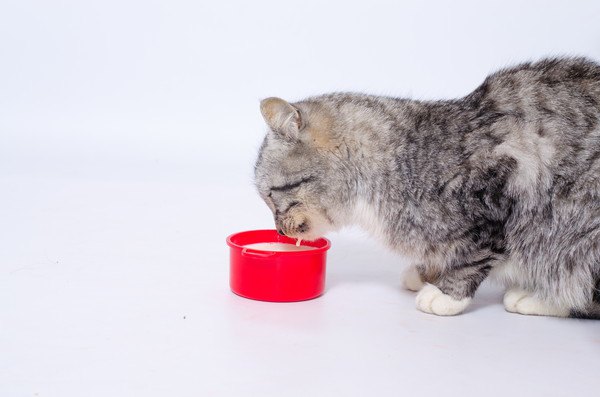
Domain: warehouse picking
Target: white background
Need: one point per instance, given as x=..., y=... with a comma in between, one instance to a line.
x=128, y=130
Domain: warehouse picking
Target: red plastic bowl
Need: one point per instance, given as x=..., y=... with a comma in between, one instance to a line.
x=276, y=276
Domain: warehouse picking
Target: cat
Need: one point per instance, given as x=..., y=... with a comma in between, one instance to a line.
x=504, y=182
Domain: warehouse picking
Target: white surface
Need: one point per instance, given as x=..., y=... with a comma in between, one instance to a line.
x=120, y=289
x=127, y=135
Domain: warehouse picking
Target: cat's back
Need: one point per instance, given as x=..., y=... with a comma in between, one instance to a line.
x=546, y=115
x=567, y=88
x=550, y=71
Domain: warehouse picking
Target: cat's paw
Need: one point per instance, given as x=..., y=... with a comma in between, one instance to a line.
x=519, y=301
x=512, y=297
x=411, y=279
x=432, y=300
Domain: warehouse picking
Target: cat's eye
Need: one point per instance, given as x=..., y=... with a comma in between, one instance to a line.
x=290, y=186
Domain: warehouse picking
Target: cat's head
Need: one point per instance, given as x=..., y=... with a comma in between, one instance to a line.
x=296, y=173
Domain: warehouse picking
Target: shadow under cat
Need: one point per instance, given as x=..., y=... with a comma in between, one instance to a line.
x=359, y=260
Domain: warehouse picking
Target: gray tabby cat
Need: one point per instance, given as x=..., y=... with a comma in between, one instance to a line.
x=504, y=182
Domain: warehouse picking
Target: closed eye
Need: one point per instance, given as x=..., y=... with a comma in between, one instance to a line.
x=290, y=186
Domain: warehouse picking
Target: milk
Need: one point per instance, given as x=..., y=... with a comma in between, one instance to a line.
x=279, y=247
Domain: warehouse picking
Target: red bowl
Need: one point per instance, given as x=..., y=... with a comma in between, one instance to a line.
x=276, y=276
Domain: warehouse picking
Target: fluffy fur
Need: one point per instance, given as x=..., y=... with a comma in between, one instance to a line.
x=504, y=181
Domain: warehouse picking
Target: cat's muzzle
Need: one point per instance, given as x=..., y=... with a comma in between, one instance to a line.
x=292, y=226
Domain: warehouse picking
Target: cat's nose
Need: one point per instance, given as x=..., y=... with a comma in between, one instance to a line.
x=280, y=232
x=303, y=227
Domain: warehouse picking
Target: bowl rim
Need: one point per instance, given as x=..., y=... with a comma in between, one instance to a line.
x=312, y=251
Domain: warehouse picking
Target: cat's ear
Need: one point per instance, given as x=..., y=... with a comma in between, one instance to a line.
x=281, y=117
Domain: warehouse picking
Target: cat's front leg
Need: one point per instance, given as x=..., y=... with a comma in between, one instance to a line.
x=453, y=290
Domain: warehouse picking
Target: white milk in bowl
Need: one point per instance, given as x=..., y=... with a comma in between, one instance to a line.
x=278, y=247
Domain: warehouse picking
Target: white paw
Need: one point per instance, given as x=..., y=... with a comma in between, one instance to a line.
x=411, y=280
x=519, y=301
x=431, y=300
x=512, y=297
